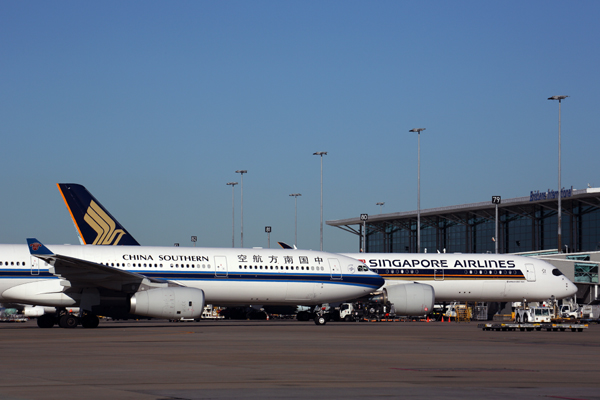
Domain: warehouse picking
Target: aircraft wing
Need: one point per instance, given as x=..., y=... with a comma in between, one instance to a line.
x=82, y=273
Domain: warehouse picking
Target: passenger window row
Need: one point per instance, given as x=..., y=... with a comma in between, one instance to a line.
x=287, y=268
x=7, y=263
x=449, y=272
x=148, y=265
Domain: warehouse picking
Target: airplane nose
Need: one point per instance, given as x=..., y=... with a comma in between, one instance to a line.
x=571, y=288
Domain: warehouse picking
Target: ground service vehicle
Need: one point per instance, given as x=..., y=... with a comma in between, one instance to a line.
x=569, y=311
x=533, y=314
x=590, y=311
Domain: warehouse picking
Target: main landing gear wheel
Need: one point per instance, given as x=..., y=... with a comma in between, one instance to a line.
x=68, y=321
x=46, y=321
x=320, y=320
x=89, y=321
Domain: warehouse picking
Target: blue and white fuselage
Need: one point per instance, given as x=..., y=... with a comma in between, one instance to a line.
x=227, y=276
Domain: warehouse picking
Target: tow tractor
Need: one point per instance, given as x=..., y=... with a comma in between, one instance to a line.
x=533, y=314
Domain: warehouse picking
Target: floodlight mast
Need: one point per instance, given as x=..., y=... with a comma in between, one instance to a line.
x=418, y=130
x=232, y=184
x=559, y=244
x=295, y=195
x=242, y=172
x=321, y=153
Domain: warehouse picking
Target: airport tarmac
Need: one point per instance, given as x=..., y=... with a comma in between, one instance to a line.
x=290, y=359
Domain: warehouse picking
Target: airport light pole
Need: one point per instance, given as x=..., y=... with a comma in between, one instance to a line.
x=242, y=172
x=268, y=230
x=295, y=195
x=496, y=200
x=232, y=184
x=559, y=98
x=418, y=130
x=321, y=153
x=380, y=204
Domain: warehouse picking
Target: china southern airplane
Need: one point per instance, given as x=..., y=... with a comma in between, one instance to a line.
x=167, y=282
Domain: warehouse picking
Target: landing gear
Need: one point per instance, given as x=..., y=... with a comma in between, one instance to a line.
x=46, y=321
x=68, y=321
x=321, y=314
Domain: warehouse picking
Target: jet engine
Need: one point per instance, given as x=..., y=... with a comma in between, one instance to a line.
x=38, y=311
x=168, y=303
x=411, y=298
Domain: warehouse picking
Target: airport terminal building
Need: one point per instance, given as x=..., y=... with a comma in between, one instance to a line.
x=525, y=225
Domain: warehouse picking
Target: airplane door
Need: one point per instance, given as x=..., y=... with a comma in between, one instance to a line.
x=221, y=266
x=336, y=269
x=530, y=272
x=438, y=275
x=35, y=266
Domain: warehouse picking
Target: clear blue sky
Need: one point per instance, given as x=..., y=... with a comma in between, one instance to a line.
x=153, y=105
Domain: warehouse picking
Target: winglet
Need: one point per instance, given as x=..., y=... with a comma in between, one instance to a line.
x=36, y=248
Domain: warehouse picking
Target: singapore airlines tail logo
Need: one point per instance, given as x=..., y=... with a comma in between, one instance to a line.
x=103, y=225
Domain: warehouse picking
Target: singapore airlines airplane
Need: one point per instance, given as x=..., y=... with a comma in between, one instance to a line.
x=469, y=277
x=168, y=282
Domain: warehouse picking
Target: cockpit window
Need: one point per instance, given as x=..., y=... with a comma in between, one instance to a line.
x=556, y=272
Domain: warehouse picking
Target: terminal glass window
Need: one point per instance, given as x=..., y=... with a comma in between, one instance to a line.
x=428, y=239
x=483, y=232
x=401, y=241
x=590, y=229
x=518, y=237
x=456, y=238
x=375, y=242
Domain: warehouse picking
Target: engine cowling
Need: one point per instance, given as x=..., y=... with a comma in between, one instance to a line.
x=168, y=303
x=411, y=298
x=33, y=311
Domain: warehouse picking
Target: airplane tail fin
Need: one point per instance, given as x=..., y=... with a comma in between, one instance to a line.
x=36, y=248
x=284, y=245
x=94, y=224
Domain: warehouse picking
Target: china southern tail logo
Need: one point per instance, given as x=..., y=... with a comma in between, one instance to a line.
x=103, y=225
